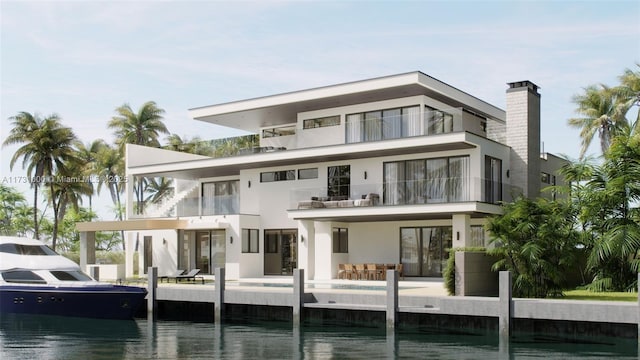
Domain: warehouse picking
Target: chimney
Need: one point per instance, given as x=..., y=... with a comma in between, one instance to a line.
x=523, y=136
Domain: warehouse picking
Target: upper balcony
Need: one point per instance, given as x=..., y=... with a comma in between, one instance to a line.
x=372, y=126
x=403, y=200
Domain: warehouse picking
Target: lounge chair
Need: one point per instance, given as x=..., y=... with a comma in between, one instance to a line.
x=190, y=276
x=178, y=272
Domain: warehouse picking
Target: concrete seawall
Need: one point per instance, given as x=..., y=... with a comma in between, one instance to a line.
x=501, y=314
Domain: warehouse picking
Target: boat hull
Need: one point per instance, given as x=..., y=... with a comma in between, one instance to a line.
x=102, y=302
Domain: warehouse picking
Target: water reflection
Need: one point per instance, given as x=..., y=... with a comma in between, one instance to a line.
x=29, y=337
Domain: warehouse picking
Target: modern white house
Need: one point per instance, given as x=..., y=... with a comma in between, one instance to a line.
x=390, y=170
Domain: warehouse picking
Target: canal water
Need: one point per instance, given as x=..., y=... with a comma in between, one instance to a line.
x=37, y=337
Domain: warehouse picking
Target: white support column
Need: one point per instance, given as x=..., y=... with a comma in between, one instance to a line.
x=130, y=197
x=306, y=258
x=322, y=251
x=461, y=226
x=87, y=249
x=129, y=253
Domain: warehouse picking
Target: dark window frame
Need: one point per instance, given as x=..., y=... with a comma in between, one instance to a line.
x=247, y=236
x=324, y=121
x=340, y=244
x=339, y=184
x=280, y=175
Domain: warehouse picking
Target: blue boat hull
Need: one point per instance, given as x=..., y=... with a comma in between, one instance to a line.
x=101, y=302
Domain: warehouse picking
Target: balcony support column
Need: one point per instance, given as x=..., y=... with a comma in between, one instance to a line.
x=461, y=224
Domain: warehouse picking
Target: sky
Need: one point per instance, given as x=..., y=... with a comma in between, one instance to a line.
x=83, y=59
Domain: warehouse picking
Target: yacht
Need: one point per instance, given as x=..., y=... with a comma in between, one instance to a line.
x=34, y=279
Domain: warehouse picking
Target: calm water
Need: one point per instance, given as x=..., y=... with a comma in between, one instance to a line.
x=33, y=337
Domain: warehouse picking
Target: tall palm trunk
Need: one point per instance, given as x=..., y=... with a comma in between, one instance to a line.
x=36, y=234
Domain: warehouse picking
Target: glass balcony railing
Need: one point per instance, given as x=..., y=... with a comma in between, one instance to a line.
x=193, y=206
x=428, y=191
x=377, y=126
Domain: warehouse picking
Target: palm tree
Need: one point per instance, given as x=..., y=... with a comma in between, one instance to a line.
x=629, y=91
x=110, y=171
x=601, y=114
x=141, y=128
x=614, y=187
x=47, y=145
x=68, y=191
x=88, y=153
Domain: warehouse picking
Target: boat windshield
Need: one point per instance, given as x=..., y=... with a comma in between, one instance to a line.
x=20, y=249
x=22, y=276
x=70, y=275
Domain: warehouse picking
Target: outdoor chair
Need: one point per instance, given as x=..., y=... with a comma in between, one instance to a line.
x=372, y=272
x=361, y=272
x=190, y=276
x=381, y=271
x=342, y=272
x=349, y=271
x=177, y=272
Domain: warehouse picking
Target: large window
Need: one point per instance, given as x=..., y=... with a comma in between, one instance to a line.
x=250, y=241
x=493, y=179
x=426, y=181
x=338, y=180
x=424, y=250
x=220, y=198
x=438, y=122
x=383, y=124
x=340, y=240
x=477, y=236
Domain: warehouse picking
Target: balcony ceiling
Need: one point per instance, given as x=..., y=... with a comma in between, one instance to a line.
x=232, y=166
x=253, y=114
x=397, y=212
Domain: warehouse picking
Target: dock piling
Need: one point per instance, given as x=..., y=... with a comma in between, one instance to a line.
x=392, y=298
x=298, y=296
x=218, y=309
x=152, y=287
x=506, y=305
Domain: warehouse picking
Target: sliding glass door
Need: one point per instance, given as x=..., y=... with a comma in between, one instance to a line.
x=423, y=250
x=438, y=180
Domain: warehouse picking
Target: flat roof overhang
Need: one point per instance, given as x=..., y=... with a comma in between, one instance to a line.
x=253, y=114
x=132, y=225
x=197, y=169
x=397, y=212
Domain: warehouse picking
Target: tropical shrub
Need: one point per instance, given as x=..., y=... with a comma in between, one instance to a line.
x=536, y=241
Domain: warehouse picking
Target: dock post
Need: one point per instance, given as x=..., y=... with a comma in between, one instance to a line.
x=506, y=305
x=298, y=296
x=218, y=309
x=152, y=287
x=392, y=298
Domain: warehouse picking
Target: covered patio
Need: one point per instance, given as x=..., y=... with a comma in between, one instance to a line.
x=88, y=236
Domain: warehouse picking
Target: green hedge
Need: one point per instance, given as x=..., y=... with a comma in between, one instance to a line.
x=449, y=273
